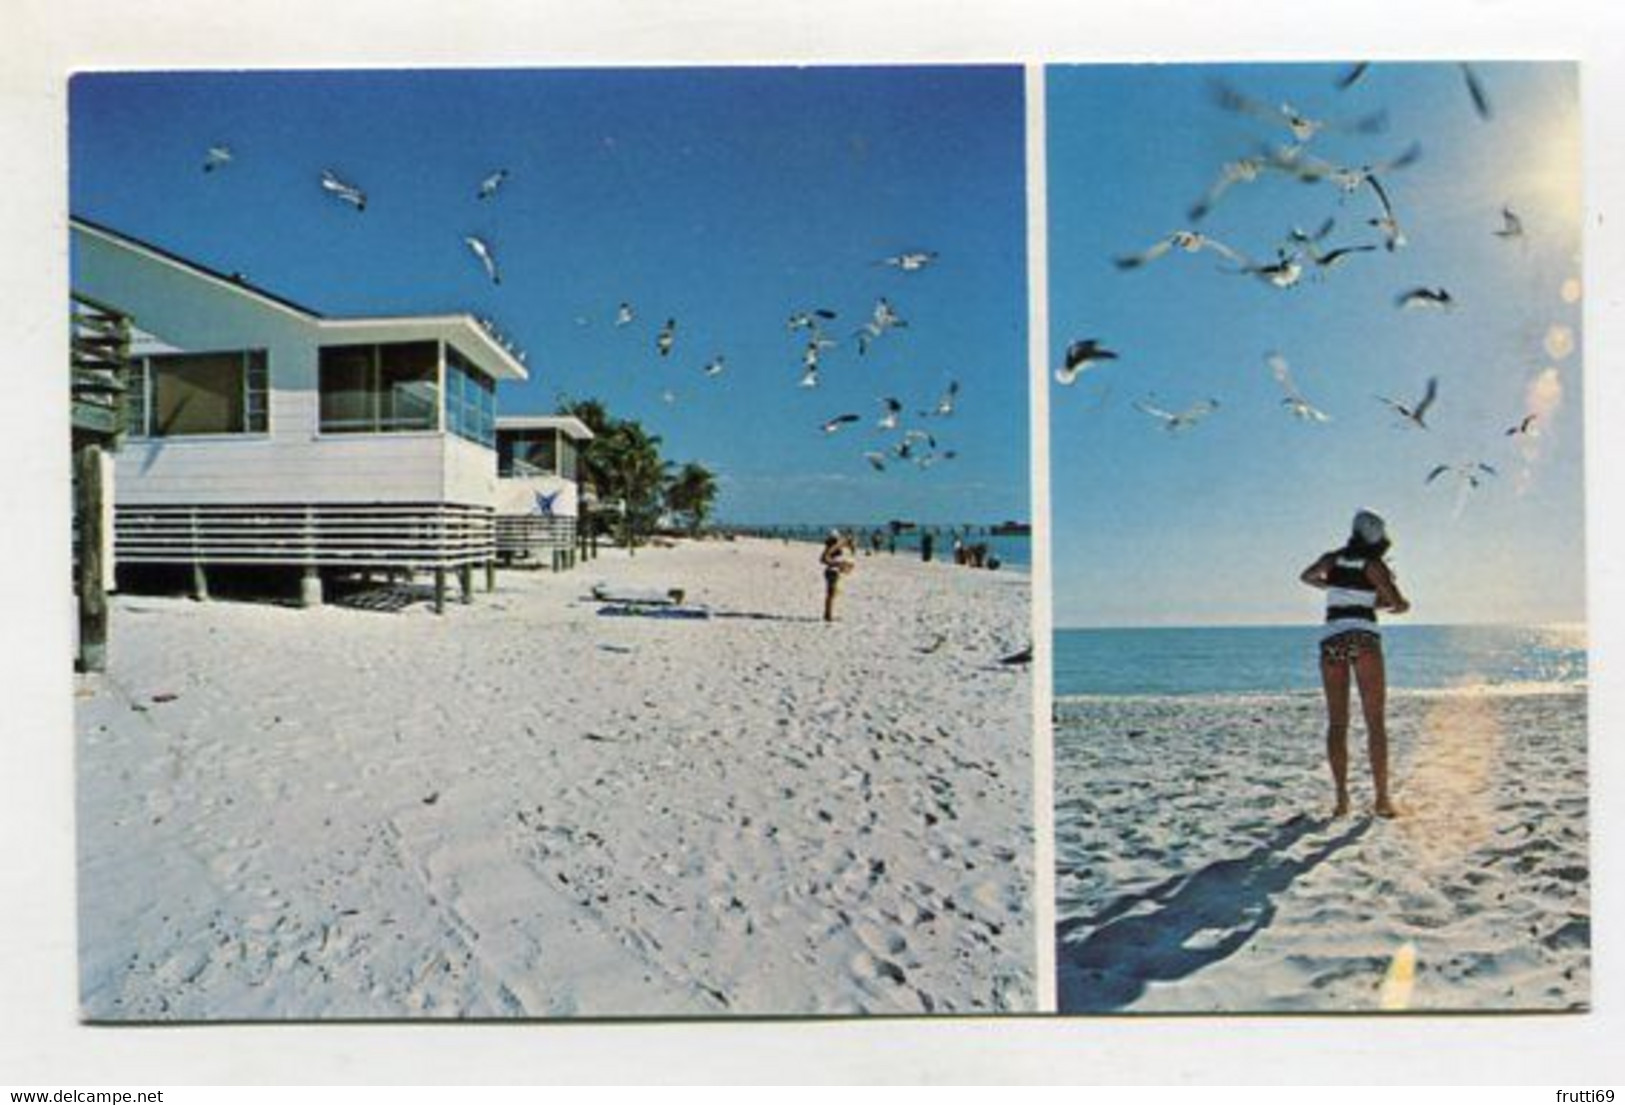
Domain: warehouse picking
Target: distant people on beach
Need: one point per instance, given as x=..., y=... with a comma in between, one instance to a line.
x=836, y=564
x=927, y=542
x=1358, y=583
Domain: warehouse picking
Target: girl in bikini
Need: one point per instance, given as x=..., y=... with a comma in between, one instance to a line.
x=1357, y=583
x=836, y=565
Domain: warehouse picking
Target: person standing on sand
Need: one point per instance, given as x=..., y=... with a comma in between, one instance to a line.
x=836, y=565
x=1357, y=583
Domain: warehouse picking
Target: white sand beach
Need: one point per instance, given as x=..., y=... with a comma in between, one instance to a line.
x=1198, y=872
x=522, y=808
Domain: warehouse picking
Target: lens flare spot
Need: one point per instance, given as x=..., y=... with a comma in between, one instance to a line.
x=1559, y=342
x=1570, y=291
x=1400, y=980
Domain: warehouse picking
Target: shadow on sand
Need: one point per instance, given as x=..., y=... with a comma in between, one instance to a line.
x=755, y=616
x=1105, y=961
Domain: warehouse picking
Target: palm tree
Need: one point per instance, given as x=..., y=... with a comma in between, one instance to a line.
x=595, y=455
x=691, y=492
x=633, y=472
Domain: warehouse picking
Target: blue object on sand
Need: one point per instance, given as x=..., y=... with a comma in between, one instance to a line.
x=629, y=611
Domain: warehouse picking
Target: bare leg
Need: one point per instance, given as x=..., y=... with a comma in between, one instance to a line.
x=829, y=600
x=1334, y=679
x=1372, y=677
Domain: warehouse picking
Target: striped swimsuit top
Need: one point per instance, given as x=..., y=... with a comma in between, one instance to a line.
x=1351, y=600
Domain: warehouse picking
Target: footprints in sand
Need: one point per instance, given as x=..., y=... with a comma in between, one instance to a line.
x=1484, y=877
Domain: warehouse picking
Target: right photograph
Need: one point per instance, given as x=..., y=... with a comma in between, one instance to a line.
x=1318, y=535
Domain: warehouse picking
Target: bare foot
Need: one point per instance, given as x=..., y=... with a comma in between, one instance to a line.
x=1385, y=809
x=1341, y=809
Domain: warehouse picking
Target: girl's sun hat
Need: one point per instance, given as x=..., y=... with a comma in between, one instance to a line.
x=1369, y=527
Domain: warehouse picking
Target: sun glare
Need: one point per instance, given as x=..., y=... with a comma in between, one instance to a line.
x=1551, y=177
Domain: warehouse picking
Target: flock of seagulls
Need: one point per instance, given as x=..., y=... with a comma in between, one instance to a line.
x=1291, y=153
x=909, y=443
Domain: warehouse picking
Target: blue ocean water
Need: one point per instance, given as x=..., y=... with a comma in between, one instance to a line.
x=1265, y=659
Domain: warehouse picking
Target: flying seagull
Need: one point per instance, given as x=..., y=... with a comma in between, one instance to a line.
x=883, y=318
x=1475, y=89
x=623, y=314
x=1525, y=427
x=1174, y=422
x=1469, y=471
x=1294, y=401
x=217, y=157
x=945, y=404
x=1188, y=241
x=481, y=249
x=1511, y=225
x=1325, y=262
x=815, y=348
x=809, y=378
x=1243, y=170
x=838, y=421
x=877, y=461
x=1283, y=272
x=888, y=421
x=489, y=186
x=1302, y=127
x=1424, y=297
x=911, y=260
x=714, y=366
x=1350, y=76
x=809, y=320
x=667, y=335
x=1302, y=237
x=349, y=193
x=1081, y=356
x=1416, y=415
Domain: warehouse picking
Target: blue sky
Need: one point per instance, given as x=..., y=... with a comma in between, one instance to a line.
x=724, y=198
x=1211, y=525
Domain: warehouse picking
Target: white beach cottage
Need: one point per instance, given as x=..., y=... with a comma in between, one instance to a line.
x=539, y=492
x=260, y=432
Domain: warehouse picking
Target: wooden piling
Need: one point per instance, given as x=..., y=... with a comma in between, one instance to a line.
x=310, y=587
x=91, y=494
x=440, y=590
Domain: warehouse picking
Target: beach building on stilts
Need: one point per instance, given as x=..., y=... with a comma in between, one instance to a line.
x=539, y=491
x=261, y=433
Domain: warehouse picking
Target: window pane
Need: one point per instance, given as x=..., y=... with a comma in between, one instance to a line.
x=348, y=403
x=257, y=391
x=197, y=394
x=408, y=384
x=135, y=399
x=470, y=401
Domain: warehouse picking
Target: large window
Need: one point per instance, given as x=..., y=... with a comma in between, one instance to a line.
x=183, y=394
x=471, y=400
x=373, y=389
x=538, y=452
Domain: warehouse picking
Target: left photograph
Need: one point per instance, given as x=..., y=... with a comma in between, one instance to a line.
x=551, y=543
